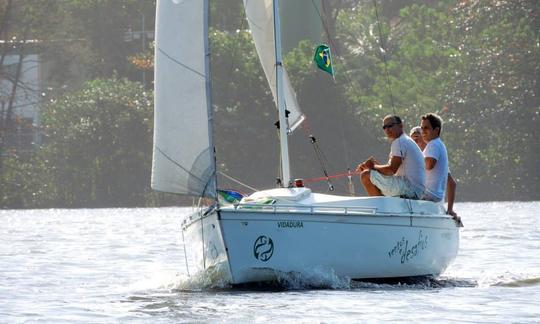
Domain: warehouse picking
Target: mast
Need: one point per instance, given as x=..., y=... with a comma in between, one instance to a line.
x=280, y=102
x=208, y=82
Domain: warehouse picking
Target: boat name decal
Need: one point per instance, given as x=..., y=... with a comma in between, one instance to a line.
x=290, y=224
x=263, y=248
x=407, y=252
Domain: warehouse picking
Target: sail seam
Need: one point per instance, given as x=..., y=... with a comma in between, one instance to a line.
x=180, y=166
x=179, y=63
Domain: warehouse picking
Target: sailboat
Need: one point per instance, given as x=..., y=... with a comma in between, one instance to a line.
x=284, y=230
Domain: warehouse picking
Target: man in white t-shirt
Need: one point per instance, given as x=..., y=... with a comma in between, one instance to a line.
x=436, y=161
x=404, y=174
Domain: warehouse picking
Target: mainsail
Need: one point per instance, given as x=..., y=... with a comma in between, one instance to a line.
x=183, y=157
x=260, y=17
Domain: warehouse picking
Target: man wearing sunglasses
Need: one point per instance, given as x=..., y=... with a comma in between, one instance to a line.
x=436, y=158
x=404, y=174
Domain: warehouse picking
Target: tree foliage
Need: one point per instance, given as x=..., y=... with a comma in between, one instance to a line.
x=474, y=62
x=495, y=93
x=96, y=148
x=24, y=30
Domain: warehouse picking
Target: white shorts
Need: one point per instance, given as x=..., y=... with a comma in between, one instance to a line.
x=394, y=186
x=430, y=197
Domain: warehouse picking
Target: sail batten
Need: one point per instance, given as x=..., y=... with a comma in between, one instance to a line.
x=183, y=158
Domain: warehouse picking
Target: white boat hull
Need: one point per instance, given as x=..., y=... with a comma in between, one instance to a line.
x=257, y=244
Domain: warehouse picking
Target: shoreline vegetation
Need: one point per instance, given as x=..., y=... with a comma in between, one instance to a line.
x=474, y=63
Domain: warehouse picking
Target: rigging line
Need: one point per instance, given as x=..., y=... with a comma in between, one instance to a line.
x=237, y=181
x=334, y=176
x=388, y=85
x=383, y=51
x=185, y=252
x=325, y=159
x=348, y=81
x=309, y=134
x=316, y=147
x=319, y=154
x=325, y=26
x=333, y=44
x=179, y=63
x=321, y=158
x=202, y=236
x=181, y=167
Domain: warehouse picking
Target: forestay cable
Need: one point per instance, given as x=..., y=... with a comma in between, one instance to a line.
x=383, y=52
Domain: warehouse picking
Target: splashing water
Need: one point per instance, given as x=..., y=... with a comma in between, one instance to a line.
x=127, y=265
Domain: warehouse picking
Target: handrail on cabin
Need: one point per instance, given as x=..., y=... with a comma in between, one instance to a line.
x=299, y=209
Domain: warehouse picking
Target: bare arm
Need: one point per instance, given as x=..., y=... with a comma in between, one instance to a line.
x=430, y=163
x=451, y=195
x=391, y=167
x=387, y=169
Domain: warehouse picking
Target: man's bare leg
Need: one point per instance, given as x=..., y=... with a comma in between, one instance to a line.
x=371, y=189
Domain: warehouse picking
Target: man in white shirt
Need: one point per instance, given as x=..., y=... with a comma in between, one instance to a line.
x=404, y=174
x=436, y=161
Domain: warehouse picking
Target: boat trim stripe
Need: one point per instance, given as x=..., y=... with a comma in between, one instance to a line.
x=333, y=222
x=326, y=210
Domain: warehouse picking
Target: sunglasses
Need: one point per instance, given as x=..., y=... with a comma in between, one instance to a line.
x=389, y=125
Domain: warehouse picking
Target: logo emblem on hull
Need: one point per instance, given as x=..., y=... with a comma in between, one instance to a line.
x=263, y=248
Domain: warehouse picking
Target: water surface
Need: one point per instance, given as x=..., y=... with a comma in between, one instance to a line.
x=127, y=265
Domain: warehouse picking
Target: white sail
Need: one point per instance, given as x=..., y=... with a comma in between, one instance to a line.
x=260, y=17
x=183, y=157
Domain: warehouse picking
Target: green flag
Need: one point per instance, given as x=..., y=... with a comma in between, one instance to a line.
x=324, y=59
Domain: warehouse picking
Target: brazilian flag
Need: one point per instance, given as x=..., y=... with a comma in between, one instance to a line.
x=324, y=59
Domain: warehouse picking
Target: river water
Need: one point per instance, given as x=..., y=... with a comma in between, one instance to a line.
x=127, y=265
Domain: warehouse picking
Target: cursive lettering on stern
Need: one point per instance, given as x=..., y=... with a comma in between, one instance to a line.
x=406, y=251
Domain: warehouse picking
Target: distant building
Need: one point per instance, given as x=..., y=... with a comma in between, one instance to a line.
x=24, y=127
x=139, y=35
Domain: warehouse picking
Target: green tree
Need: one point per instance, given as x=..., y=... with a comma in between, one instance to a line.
x=244, y=112
x=420, y=61
x=98, y=144
x=494, y=94
x=108, y=32
x=73, y=40
x=476, y=63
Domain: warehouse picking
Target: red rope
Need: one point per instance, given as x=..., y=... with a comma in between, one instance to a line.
x=307, y=131
x=340, y=175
